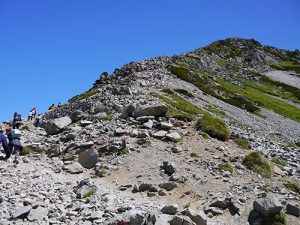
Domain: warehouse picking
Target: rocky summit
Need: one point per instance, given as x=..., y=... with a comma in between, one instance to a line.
x=209, y=137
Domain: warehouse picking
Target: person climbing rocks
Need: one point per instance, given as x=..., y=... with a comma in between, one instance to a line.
x=14, y=143
x=52, y=107
x=30, y=115
x=37, y=122
x=33, y=111
x=16, y=120
x=5, y=145
x=59, y=105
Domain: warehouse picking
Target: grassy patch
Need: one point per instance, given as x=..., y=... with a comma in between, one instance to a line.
x=214, y=127
x=108, y=117
x=205, y=135
x=277, y=219
x=179, y=107
x=30, y=150
x=222, y=62
x=123, y=151
x=225, y=167
x=101, y=172
x=194, y=155
x=288, y=66
x=243, y=143
x=257, y=163
x=216, y=111
x=293, y=186
x=278, y=161
x=265, y=188
x=181, y=72
x=84, y=95
x=89, y=193
x=276, y=105
x=184, y=92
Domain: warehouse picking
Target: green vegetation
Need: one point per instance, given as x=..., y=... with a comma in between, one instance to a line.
x=194, y=155
x=181, y=72
x=123, y=151
x=274, y=219
x=278, y=161
x=226, y=167
x=101, y=172
x=256, y=162
x=179, y=107
x=27, y=150
x=266, y=101
x=293, y=186
x=184, y=92
x=216, y=111
x=89, y=193
x=84, y=95
x=108, y=117
x=205, y=135
x=243, y=143
x=225, y=46
x=214, y=127
x=222, y=62
x=265, y=188
x=288, y=66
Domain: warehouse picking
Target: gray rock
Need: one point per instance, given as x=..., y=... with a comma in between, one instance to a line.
x=136, y=217
x=197, y=217
x=75, y=168
x=144, y=187
x=127, y=111
x=168, y=186
x=181, y=220
x=57, y=125
x=77, y=115
x=166, y=126
x=89, y=158
x=160, y=134
x=267, y=205
x=38, y=214
x=84, y=189
x=148, y=124
x=173, y=136
x=22, y=212
x=168, y=168
x=293, y=209
x=150, y=110
x=170, y=209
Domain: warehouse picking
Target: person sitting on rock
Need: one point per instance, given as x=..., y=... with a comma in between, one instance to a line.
x=59, y=105
x=52, y=107
x=4, y=144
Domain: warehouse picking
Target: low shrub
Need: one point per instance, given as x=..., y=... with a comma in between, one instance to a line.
x=243, y=143
x=214, y=127
x=257, y=163
x=225, y=167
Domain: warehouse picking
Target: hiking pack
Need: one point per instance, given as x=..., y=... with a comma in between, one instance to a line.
x=15, y=133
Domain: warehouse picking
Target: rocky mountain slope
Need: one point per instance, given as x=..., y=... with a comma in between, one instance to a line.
x=206, y=137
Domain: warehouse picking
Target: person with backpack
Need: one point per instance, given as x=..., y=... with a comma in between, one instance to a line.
x=30, y=115
x=52, y=107
x=4, y=144
x=14, y=143
x=33, y=112
x=16, y=120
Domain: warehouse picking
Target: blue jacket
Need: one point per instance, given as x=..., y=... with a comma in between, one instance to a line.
x=4, y=142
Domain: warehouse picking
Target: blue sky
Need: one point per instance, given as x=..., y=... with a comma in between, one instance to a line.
x=52, y=50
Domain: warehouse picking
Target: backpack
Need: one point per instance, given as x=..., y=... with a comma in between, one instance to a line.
x=15, y=133
x=18, y=117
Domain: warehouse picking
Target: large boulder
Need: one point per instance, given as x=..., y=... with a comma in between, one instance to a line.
x=55, y=126
x=22, y=212
x=197, y=217
x=89, y=158
x=181, y=220
x=150, y=110
x=267, y=205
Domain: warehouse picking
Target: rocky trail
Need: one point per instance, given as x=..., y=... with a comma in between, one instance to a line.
x=135, y=149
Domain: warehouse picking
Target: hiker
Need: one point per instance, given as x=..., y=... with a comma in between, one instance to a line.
x=37, y=122
x=59, y=105
x=30, y=115
x=16, y=120
x=33, y=111
x=4, y=144
x=14, y=143
x=52, y=107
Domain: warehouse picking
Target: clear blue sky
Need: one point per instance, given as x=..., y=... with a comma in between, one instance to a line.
x=52, y=50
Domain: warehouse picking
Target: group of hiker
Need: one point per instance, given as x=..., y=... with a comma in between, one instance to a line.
x=13, y=135
x=52, y=107
x=32, y=114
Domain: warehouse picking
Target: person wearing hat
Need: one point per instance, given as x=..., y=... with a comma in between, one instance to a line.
x=4, y=144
